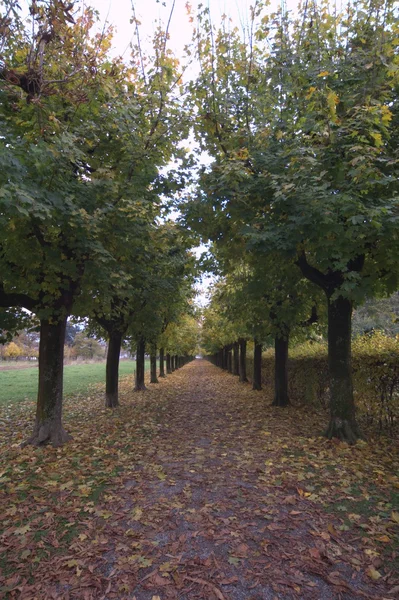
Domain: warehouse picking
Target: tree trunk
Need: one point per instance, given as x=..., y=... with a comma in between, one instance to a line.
x=162, y=362
x=225, y=358
x=140, y=366
x=342, y=406
x=229, y=360
x=48, y=427
x=281, y=370
x=153, y=364
x=243, y=360
x=112, y=370
x=168, y=364
x=236, y=358
x=257, y=375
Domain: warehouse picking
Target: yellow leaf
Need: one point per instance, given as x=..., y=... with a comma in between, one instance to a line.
x=71, y=563
x=136, y=514
x=22, y=530
x=323, y=74
x=395, y=516
x=384, y=538
x=373, y=573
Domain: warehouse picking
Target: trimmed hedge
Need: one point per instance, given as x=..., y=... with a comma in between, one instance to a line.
x=375, y=361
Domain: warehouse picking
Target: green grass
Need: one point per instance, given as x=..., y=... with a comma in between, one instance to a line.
x=21, y=384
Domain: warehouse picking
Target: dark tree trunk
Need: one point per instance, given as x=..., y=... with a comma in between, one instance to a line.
x=236, y=358
x=281, y=370
x=48, y=427
x=140, y=366
x=225, y=358
x=229, y=360
x=342, y=406
x=168, y=364
x=153, y=365
x=257, y=375
x=112, y=370
x=243, y=360
x=162, y=362
x=172, y=362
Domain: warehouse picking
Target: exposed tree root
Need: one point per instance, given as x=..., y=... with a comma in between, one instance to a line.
x=343, y=430
x=48, y=433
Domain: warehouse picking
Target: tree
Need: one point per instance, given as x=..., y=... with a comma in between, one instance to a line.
x=88, y=347
x=12, y=351
x=85, y=138
x=302, y=123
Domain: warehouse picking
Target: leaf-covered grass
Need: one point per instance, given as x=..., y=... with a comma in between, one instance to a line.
x=21, y=384
x=196, y=488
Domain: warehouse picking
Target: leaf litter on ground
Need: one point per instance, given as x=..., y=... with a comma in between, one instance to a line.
x=196, y=488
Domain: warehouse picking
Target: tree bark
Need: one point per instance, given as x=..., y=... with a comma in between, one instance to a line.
x=243, y=360
x=225, y=358
x=140, y=366
x=281, y=370
x=236, y=358
x=257, y=375
x=342, y=406
x=229, y=359
x=48, y=427
x=162, y=362
x=153, y=365
x=112, y=370
x=168, y=364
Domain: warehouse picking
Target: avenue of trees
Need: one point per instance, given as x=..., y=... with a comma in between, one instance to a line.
x=83, y=228
x=298, y=115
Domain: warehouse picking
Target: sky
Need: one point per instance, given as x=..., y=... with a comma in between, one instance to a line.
x=118, y=13
x=152, y=12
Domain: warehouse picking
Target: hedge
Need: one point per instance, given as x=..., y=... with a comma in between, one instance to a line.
x=375, y=361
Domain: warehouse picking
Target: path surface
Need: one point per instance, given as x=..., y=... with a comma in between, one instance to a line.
x=206, y=507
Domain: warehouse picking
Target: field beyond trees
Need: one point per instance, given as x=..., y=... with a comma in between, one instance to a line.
x=21, y=384
x=197, y=488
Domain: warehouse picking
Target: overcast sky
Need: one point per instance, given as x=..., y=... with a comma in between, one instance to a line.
x=148, y=12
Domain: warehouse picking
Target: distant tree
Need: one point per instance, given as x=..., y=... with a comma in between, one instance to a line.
x=70, y=333
x=88, y=347
x=12, y=351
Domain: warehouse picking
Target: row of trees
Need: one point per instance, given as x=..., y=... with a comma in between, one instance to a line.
x=83, y=217
x=300, y=115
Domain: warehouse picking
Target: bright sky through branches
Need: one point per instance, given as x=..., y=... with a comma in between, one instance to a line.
x=151, y=12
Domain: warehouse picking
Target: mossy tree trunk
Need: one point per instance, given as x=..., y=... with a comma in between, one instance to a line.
x=281, y=369
x=236, y=358
x=140, y=366
x=153, y=364
x=162, y=362
x=342, y=423
x=112, y=369
x=48, y=428
x=168, y=364
x=243, y=360
x=257, y=374
x=342, y=406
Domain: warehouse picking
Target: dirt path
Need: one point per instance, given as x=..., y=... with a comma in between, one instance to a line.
x=211, y=520
x=209, y=504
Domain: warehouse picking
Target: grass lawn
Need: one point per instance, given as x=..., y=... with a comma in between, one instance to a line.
x=21, y=384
